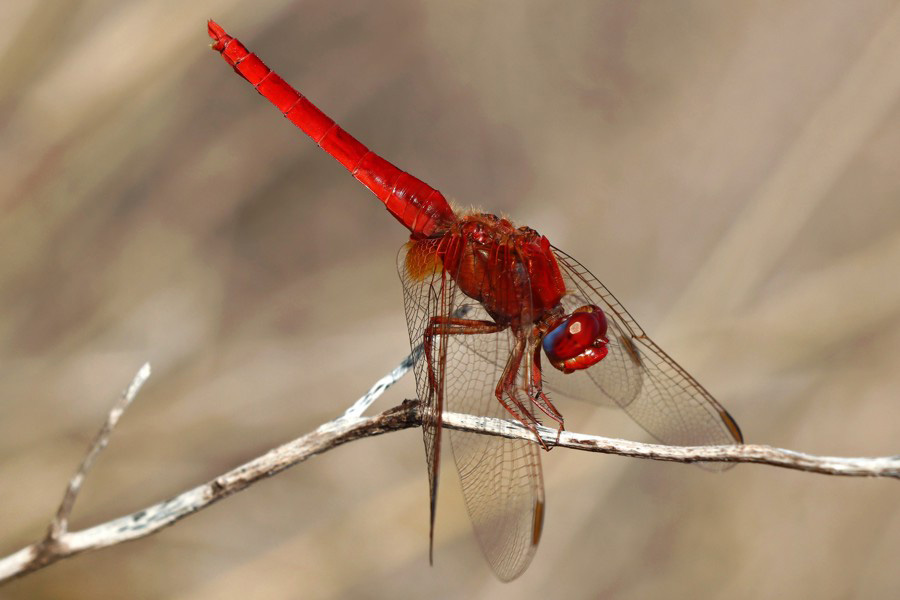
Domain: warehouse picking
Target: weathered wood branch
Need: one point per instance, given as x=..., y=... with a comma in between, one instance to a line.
x=60, y=543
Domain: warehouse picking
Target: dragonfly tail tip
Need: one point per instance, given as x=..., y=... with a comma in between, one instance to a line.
x=215, y=30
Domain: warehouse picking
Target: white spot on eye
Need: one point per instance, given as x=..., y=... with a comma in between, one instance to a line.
x=575, y=328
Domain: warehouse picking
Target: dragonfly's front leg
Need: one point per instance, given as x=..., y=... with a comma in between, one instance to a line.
x=536, y=390
x=507, y=391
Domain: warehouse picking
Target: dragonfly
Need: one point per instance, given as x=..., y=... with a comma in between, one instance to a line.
x=488, y=301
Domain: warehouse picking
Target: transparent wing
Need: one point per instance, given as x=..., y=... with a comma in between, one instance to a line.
x=501, y=479
x=420, y=301
x=638, y=376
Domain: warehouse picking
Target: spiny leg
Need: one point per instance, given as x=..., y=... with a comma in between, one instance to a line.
x=506, y=391
x=452, y=326
x=506, y=387
x=537, y=394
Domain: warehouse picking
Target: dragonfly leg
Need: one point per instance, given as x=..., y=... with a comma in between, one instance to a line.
x=456, y=325
x=537, y=394
x=507, y=392
x=451, y=326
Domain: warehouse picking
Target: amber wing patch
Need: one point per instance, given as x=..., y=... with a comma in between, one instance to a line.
x=422, y=259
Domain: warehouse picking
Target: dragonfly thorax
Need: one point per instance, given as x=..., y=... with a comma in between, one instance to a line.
x=511, y=271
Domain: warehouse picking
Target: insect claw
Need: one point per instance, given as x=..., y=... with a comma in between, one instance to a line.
x=541, y=441
x=559, y=431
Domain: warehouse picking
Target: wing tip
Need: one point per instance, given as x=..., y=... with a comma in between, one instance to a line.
x=732, y=426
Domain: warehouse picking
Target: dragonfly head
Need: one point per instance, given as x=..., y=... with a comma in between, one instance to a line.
x=577, y=340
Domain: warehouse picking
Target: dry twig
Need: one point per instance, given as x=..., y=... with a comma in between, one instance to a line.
x=61, y=543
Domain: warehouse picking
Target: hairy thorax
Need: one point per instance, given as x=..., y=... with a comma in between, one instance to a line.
x=511, y=271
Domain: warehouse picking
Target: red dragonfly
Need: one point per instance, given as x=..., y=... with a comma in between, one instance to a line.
x=486, y=299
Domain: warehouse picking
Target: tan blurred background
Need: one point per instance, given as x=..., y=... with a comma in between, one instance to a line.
x=729, y=170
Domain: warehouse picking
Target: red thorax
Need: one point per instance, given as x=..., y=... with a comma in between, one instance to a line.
x=511, y=271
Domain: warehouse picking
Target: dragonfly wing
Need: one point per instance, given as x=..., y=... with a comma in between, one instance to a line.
x=420, y=301
x=643, y=380
x=502, y=481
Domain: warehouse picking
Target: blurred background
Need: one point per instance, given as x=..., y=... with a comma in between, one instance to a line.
x=729, y=170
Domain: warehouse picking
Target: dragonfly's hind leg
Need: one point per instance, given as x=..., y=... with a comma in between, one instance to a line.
x=439, y=326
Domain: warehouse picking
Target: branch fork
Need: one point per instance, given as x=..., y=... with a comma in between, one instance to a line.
x=60, y=543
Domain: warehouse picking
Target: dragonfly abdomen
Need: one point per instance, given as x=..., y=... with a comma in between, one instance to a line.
x=418, y=206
